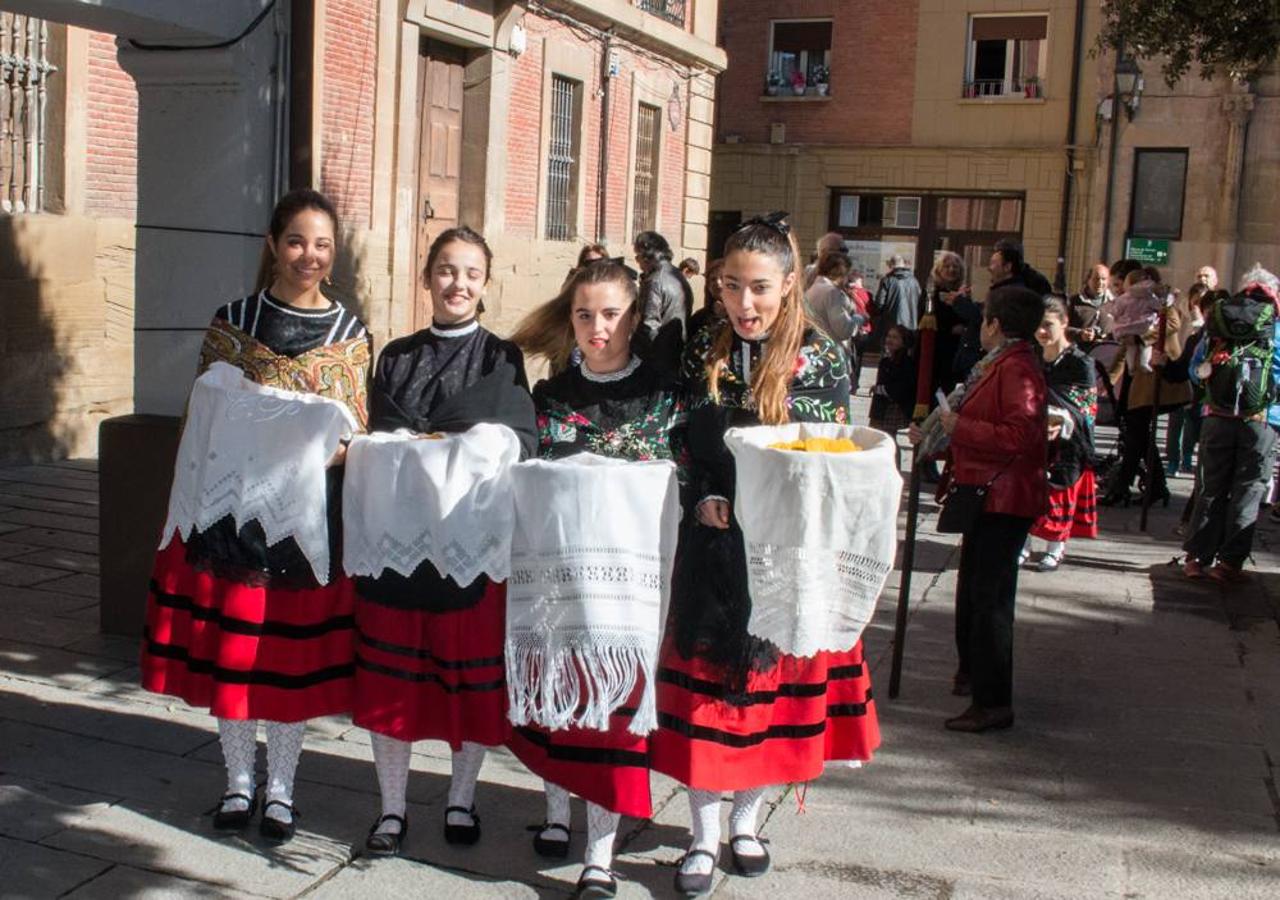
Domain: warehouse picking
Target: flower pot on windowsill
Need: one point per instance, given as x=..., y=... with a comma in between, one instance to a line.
x=822, y=89
x=771, y=89
x=798, y=89
x=1031, y=90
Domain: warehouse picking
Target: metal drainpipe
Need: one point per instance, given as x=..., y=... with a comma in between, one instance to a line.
x=1060, y=276
x=1111, y=157
x=606, y=80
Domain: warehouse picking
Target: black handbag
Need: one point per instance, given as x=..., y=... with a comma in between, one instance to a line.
x=963, y=504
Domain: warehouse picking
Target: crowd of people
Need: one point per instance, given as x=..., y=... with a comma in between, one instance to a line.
x=243, y=627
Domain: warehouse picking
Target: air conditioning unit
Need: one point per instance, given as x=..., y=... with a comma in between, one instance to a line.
x=902, y=212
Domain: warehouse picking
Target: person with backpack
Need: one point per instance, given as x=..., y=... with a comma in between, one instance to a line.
x=1237, y=362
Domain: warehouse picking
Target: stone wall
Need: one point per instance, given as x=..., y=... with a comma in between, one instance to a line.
x=66, y=333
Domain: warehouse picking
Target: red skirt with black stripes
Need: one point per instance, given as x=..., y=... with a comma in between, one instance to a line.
x=609, y=768
x=433, y=675
x=795, y=717
x=244, y=651
x=1073, y=511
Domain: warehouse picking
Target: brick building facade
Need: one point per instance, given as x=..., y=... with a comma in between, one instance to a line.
x=67, y=250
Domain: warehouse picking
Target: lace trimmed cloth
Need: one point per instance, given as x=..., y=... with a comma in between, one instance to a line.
x=257, y=453
x=590, y=578
x=409, y=499
x=820, y=532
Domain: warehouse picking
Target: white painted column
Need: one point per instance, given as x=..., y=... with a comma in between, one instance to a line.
x=207, y=139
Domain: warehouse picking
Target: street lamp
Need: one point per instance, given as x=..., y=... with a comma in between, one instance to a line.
x=1128, y=85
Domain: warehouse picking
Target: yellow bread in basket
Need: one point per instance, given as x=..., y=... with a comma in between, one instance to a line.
x=818, y=445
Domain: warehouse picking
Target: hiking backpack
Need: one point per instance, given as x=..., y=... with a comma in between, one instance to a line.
x=1241, y=332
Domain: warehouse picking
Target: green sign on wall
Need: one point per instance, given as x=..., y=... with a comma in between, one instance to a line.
x=1147, y=250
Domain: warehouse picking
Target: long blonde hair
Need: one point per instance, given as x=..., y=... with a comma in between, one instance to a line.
x=772, y=377
x=547, y=331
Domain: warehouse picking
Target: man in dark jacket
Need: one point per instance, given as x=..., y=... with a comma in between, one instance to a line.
x=897, y=301
x=666, y=302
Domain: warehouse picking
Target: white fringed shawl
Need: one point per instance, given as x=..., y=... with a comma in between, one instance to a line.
x=256, y=453
x=408, y=499
x=590, y=577
x=820, y=531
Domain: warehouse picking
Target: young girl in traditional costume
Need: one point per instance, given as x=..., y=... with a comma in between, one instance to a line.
x=1073, y=405
x=735, y=714
x=233, y=624
x=429, y=651
x=610, y=404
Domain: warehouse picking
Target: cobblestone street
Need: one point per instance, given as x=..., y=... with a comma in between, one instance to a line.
x=1142, y=763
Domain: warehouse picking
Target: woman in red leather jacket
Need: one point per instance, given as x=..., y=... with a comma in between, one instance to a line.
x=998, y=435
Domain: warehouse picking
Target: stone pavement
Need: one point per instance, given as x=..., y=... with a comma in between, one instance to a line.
x=1142, y=764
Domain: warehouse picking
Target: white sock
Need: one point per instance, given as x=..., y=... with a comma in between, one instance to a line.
x=239, y=738
x=1056, y=548
x=462, y=786
x=704, y=810
x=391, y=759
x=284, y=749
x=744, y=820
x=557, y=812
x=602, y=828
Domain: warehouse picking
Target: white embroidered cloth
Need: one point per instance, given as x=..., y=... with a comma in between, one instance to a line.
x=256, y=453
x=407, y=499
x=820, y=531
x=590, y=576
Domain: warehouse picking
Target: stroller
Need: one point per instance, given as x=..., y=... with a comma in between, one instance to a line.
x=1106, y=356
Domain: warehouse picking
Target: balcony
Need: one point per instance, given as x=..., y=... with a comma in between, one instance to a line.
x=1003, y=89
x=670, y=10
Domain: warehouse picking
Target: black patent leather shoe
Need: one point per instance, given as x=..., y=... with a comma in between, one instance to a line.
x=691, y=884
x=749, y=865
x=463, y=835
x=549, y=847
x=595, y=882
x=274, y=830
x=236, y=819
x=386, y=843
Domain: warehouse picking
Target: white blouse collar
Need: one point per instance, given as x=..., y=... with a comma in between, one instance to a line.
x=606, y=377
x=447, y=331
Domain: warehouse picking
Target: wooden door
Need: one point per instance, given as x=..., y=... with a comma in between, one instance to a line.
x=439, y=156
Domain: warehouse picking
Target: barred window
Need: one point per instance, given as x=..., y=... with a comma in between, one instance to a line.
x=562, y=161
x=671, y=10
x=24, y=73
x=644, y=201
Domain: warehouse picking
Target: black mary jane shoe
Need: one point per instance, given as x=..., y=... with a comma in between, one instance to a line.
x=551, y=849
x=746, y=864
x=690, y=884
x=386, y=843
x=274, y=830
x=236, y=819
x=463, y=835
x=595, y=882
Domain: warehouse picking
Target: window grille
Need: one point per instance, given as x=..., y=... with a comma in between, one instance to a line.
x=671, y=10
x=562, y=162
x=24, y=74
x=644, y=204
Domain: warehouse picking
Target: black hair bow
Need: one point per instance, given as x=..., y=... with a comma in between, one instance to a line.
x=775, y=220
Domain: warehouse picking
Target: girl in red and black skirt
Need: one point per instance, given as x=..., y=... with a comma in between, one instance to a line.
x=610, y=404
x=1073, y=395
x=237, y=626
x=429, y=661
x=734, y=714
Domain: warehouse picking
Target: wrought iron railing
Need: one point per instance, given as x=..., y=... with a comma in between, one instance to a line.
x=1003, y=87
x=671, y=10
x=24, y=75
x=562, y=162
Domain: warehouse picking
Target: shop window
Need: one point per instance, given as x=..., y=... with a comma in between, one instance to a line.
x=644, y=204
x=562, y=159
x=1159, y=186
x=800, y=55
x=979, y=213
x=1006, y=56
